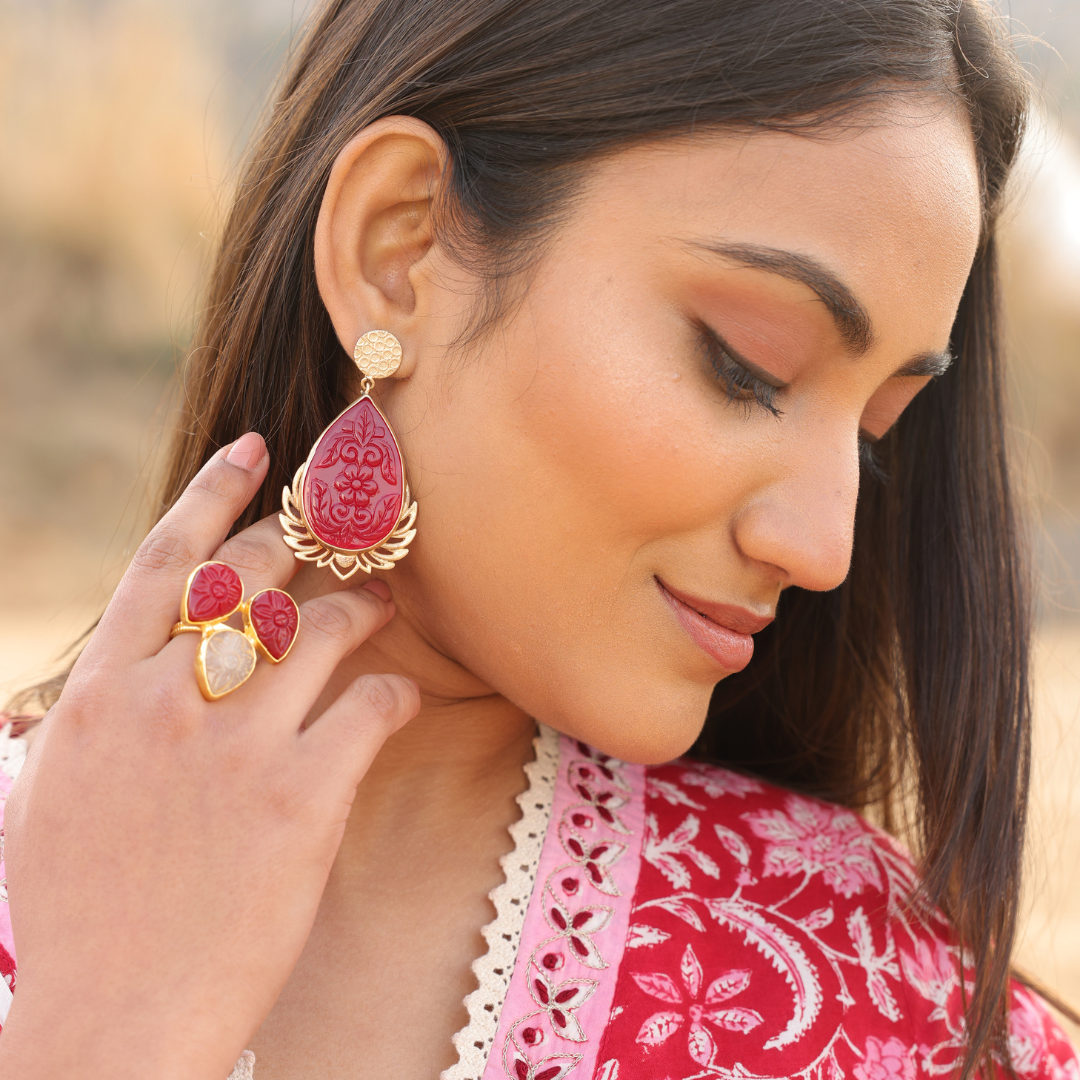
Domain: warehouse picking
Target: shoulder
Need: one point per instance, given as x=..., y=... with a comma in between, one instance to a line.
x=798, y=931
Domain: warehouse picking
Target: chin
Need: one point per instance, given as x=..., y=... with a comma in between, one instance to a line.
x=641, y=725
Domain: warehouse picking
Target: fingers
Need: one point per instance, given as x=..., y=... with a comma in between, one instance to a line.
x=331, y=627
x=147, y=601
x=259, y=556
x=351, y=732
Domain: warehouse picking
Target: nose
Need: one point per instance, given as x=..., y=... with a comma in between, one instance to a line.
x=801, y=523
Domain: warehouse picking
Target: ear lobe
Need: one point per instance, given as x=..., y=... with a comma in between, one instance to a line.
x=375, y=228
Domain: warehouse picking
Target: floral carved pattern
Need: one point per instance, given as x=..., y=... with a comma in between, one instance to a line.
x=214, y=592
x=274, y=618
x=353, y=488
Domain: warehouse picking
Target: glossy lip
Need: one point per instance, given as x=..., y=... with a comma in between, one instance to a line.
x=720, y=630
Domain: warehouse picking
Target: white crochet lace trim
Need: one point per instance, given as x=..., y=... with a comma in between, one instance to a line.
x=511, y=899
x=244, y=1067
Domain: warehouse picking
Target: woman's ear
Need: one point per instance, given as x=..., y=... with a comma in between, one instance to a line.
x=374, y=231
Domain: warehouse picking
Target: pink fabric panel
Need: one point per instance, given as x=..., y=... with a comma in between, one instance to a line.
x=572, y=942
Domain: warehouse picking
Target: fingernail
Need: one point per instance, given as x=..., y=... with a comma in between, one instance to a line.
x=379, y=588
x=247, y=451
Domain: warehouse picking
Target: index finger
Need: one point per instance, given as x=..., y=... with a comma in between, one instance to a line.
x=146, y=604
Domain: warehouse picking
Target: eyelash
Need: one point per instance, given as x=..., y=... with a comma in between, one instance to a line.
x=869, y=464
x=737, y=383
x=740, y=386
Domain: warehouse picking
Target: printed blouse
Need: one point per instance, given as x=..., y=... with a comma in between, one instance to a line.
x=682, y=922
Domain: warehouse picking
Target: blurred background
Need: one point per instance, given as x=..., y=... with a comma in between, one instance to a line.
x=121, y=122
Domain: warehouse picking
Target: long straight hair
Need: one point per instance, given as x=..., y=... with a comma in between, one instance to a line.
x=918, y=664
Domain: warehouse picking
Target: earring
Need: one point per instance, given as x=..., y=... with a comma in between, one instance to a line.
x=349, y=506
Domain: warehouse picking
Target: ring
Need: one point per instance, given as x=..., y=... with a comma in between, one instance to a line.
x=227, y=656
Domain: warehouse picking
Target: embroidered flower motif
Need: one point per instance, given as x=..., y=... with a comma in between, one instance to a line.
x=701, y=1046
x=607, y=766
x=889, y=1060
x=559, y=1000
x=604, y=804
x=356, y=484
x=525, y=1039
x=810, y=837
x=595, y=859
x=664, y=853
x=577, y=929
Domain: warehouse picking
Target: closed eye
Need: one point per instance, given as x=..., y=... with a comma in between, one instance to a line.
x=740, y=380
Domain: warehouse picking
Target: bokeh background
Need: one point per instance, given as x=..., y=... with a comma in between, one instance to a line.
x=121, y=122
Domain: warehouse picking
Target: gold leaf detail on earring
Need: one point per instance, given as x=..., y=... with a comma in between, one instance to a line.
x=308, y=548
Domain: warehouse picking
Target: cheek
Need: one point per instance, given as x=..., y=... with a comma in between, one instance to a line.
x=888, y=402
x=568, y=469
x=635, y=437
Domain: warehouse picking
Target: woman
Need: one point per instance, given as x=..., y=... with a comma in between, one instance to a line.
x=696, y=312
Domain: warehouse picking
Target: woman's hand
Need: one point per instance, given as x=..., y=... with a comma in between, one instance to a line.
x=166, y=855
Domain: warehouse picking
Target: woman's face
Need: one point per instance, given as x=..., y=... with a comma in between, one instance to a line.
x=618, y=481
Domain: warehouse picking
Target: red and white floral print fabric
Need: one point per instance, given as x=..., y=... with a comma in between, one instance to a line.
x=768, y=935
x=687, y=922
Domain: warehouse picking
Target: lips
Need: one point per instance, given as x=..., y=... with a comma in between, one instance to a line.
x=720, y=630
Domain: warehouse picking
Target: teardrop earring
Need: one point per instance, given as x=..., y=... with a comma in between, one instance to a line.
x=349, y=506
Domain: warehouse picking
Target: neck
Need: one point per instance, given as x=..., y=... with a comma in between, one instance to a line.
x=451, y=761
x=459, y=759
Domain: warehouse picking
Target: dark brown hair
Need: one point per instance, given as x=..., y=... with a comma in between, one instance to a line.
x=918, y=664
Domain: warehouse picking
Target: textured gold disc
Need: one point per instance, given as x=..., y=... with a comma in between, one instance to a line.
x=378, y=354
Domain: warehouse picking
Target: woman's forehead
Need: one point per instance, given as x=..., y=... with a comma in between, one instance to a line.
x=891, y=207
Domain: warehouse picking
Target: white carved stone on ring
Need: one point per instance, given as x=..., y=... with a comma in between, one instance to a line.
x=228, y=659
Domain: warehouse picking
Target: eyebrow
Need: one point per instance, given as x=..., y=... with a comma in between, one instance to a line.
x=851, y=318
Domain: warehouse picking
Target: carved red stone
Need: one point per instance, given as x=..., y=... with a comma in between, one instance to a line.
x=274, y=619
x=354, y=484
x=214, y=593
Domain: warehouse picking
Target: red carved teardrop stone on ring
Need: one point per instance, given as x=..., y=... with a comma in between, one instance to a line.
x=274, y=619
x=354, y=485
x=215, y=592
